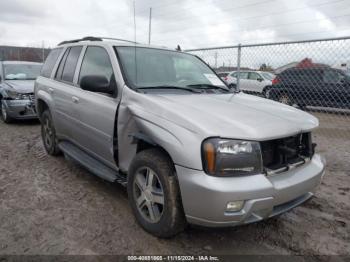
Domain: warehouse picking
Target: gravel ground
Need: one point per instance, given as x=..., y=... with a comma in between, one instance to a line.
x=51, y=206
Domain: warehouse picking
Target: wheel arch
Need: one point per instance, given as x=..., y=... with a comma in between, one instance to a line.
x=41, y=106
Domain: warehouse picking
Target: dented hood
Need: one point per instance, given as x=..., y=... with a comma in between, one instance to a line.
x=21, y=86
x=237, y=116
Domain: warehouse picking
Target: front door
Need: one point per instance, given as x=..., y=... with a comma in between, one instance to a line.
x=97, y=111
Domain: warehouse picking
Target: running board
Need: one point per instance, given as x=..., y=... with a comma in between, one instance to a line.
x=92, y=164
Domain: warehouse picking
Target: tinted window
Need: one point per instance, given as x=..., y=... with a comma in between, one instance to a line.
x=71, y=63
x=61, y=66
x=96, y=62
x=243, y=75
x=331, y=77
x=254, y=76
x=50, y=62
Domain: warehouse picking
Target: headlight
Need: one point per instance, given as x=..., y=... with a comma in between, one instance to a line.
x=226, y=157
x=17, y=96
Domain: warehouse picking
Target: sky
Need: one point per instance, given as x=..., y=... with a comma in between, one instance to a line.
x=191, y=24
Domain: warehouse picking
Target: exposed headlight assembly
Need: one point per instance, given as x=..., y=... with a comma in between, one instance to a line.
x=16, y=96
x=226, y=157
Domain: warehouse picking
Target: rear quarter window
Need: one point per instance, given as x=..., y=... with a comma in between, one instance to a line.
x=50, y=62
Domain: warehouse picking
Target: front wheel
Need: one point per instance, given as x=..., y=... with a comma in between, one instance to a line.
x=154, y=194
x=285, y=99
x=266, y=91
x=48, y=134
x=4, y=115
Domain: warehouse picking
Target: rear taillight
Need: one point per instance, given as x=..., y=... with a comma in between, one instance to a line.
x=275, y=81
x=225, y=78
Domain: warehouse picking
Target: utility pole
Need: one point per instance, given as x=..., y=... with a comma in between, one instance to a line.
x=43, y=50
x=216, y=59
x=150, y=26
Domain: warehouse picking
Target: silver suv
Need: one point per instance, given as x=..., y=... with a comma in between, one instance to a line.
x=163, y=124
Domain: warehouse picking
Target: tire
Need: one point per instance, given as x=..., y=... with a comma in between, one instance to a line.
x=284, y=99
x=265, y=91
x=4, y=115
x=145, y=194
x=48, y=134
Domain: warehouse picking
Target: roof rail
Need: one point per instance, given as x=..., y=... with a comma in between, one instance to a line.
x=118, y=39
x=88, y=38
x=93, y=38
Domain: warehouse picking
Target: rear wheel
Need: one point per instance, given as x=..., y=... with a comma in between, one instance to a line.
x=48, y=134
x=4, y=115
x=154, y=194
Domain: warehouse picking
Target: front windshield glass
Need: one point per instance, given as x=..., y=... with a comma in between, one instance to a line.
x=268, y=76
x=21, y=71
x=152, y=68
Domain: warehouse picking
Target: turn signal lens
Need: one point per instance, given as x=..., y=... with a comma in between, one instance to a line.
x=209, y=153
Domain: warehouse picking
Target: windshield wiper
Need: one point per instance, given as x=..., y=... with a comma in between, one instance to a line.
x=208, y=86
x=170, y=87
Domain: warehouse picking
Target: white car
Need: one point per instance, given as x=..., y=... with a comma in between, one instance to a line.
x=256, y=82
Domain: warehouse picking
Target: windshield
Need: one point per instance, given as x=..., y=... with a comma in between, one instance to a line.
x=21, y=71
x=268, y=76
x=156, y=68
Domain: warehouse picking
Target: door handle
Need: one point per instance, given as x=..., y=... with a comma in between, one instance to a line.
x=51, y=90
x=75, y=99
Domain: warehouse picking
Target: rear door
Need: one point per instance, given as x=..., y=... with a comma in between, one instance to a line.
x=243, y=81
x=256, y=82
x=65, y=88
x=334, y=89
x=97, y=111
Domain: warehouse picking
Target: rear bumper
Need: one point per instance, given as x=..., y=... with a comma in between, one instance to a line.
x=205, y=197
x=20, y=109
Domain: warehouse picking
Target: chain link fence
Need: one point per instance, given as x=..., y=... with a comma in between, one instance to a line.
x=312, y=75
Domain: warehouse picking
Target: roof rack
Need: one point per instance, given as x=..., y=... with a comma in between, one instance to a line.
x=93, y=38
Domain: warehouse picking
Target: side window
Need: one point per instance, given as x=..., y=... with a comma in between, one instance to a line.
x=61, y=65
x=96, y=62
x=50, y=62
x=71, y=63
x=243, y=75
x=331, y=77
x=254, y=76
x=234, y=74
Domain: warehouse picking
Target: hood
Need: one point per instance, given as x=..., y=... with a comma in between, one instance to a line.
x=21, y=86
x=238, y=116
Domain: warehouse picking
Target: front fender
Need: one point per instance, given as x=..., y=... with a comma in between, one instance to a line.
x=183, y=145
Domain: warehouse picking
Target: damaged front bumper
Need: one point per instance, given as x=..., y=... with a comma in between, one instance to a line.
x=20, y=109
x=205, y=197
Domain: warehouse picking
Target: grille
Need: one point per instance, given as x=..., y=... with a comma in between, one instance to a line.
x=282, y=154
x=31, y=97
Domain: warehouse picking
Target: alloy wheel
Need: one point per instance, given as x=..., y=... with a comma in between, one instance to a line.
x=148, y=194
x=48, y=133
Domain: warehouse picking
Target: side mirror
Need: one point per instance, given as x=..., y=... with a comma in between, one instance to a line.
x=260, y=79
x=96, y=83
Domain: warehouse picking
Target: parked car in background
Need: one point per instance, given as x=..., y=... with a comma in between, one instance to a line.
x=17, y=89
x=251, y=82
x=223, y=75
x=314, y=86
x=161, y=123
